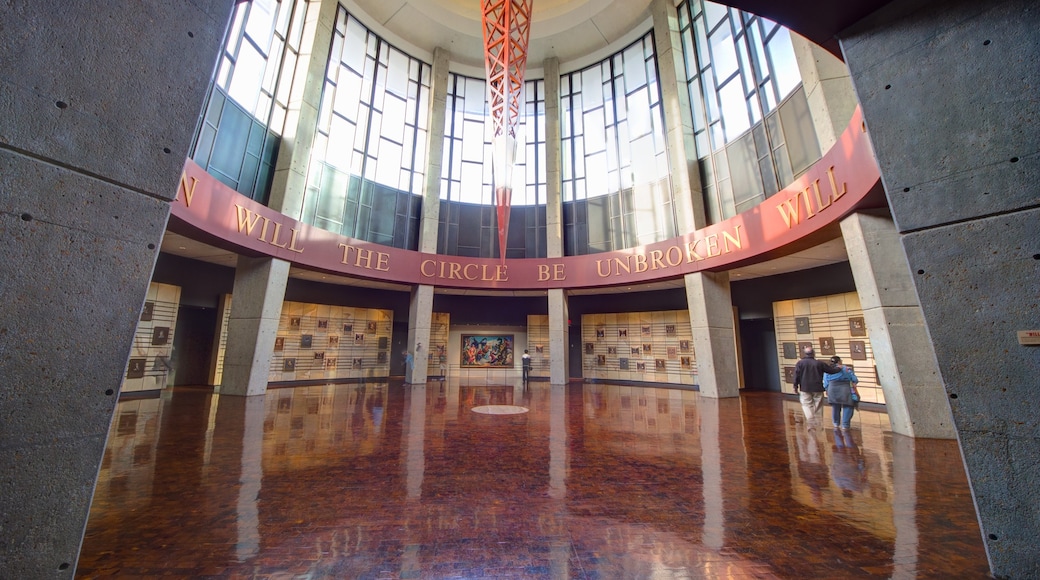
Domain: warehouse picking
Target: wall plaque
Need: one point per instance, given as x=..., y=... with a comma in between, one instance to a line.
x=135, y=368
x=790, y=350
x=147, y=311
x=827, y=345
x=801, y=348
x=789, y=375
x=306, y=340
x=857, y=350
x=801, y=324
x=160, y=335
x=857, y=327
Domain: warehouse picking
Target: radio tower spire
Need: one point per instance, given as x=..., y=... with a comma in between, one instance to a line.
x=507, y=29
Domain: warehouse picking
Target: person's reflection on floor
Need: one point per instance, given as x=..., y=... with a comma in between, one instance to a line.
x=811, y=468
x=848, y=468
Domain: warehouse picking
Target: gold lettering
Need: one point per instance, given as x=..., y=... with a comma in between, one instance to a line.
x=792, y=215
x=292, y=243
x=678, y=256
x=274, y=238
x=422, y=267
x=558, y=273
x=834, y=185
x=456, y=270
x=443, y=266
x=712, y=242
x=691, y=251
x=819, y=200
x=263, y=231
x=382, y=261
x=599, y=268
x=619, y=265
x=466, y=272
x=641, y=265
x=808, y=206
x=503, y=272
x=366, y=256
x=247, y=220
x=736, y=241
x=189, y=193
x=346, y=252
x=656, y=259
x=543, y=272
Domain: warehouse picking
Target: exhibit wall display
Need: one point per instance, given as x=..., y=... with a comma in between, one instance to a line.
x=832, y=325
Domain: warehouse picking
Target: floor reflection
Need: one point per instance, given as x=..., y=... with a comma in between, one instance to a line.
x=595, y=481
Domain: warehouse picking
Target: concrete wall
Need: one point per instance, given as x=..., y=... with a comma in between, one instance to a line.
x=949, y=94
x=95, y=125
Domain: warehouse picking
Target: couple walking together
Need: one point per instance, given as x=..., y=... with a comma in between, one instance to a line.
x=813, y=377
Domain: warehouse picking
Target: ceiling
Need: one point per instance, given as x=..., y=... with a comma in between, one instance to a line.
x=570, y=30
x=577, y=32
x=830, y=252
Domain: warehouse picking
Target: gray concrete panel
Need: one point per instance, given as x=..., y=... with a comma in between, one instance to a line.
x=44, y=493
x=109, y=89
x=955, y=83
x=98, y=104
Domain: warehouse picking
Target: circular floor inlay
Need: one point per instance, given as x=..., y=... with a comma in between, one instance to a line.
x=500, y=409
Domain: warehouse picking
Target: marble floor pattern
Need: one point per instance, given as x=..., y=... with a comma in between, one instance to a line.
x=595, y=481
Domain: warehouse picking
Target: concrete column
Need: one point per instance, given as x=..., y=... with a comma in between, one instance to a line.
x=687, y=197
x=714, y=343
x=92, y=143
x=828, y=88
x=420, y=310
x=948, y=90
x=255, y=313
x=256, y=306
x=420, y=319
x=559, y=337
x=914, y=395
x=289, y=183
x=429, y=223
x=553, y=161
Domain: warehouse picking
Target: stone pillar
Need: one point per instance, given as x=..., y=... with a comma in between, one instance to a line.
x=714, y=343
x=256, y=306
x=255, y=314
x=559, y=337
x=828, y=88
x=420, y=310
x=948, y=91
x=420, y=319
x=687, y=197
x=92, y=143
x=553, y=161
x=914, y=395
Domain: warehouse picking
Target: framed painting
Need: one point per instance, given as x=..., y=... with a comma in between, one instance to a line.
x=790, y=350
x=801, y=324
x=857, y=327
x=801, y=348
x=789, y=375
x=487, y=351
x=827, y=345
x=857, y=350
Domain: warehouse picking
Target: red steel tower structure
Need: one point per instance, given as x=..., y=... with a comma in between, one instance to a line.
x=507, y=29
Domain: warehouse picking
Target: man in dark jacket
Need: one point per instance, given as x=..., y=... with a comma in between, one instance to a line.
x=808, y=383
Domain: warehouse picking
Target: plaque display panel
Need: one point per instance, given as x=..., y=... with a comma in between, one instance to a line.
x=836, y=327
x=315, y=337
x=639, y=346
x=149, y=364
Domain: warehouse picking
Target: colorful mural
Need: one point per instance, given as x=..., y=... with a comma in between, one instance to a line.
x=487, y=350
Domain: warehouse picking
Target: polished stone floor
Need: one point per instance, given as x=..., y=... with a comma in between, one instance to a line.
x=593, y=481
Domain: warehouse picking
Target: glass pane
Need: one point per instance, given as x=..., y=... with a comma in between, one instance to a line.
x=785, y=66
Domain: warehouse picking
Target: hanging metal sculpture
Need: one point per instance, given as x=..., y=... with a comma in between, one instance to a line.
x=507, y=29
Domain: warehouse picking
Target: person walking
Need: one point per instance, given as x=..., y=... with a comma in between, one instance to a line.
x=841, y=387
x=808, y=383
x=525, y=361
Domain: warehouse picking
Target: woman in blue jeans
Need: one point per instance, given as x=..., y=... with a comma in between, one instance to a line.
x=840, y=388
